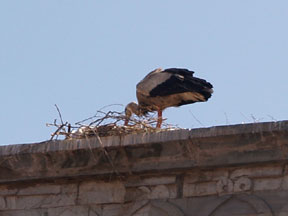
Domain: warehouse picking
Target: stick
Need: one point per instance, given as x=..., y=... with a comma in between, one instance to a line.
x=196, y=118
x=59, y=114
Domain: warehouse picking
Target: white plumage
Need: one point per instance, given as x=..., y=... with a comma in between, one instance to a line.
x=167, y=88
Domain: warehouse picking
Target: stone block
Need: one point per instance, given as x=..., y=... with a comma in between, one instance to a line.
x=265, y=171
x=172, y=191
x=206, y=188
x=59, y=211
x=213, y=175
x=28, y=212
x=101, y=192
x=191, y=177
x=40, y=189
x=160, y=192
x=69, y=211
x=267, y=184
x=4, y=190
x=155, y=180
x=112, y=210
x=69, y=188
x=152, y=192
x=189, y=190
x=199, y=189
x=40, y=201
x=204, y=176
x=285, y=183
x=94, y=210
x=2, y=203
x=134, y=194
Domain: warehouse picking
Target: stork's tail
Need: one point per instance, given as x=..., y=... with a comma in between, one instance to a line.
x=206, y=88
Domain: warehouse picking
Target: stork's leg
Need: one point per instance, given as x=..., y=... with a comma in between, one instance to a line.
x=159, y=120
x=126, y=122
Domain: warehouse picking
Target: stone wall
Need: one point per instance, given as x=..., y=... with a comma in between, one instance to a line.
x=228, y=170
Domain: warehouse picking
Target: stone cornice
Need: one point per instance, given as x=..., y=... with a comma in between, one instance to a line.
x=181, y=149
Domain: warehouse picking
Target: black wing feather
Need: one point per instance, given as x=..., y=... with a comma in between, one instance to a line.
x=181, y=71
x=183, y=83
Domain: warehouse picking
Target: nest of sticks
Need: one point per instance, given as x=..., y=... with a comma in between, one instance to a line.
x=103, y=124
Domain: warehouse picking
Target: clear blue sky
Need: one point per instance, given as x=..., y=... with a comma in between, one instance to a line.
x=83, y=55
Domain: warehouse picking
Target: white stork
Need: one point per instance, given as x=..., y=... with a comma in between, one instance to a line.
x=172, y=87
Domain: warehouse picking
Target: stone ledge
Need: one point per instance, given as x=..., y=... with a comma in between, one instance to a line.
x=219, y=146
x=145, y=138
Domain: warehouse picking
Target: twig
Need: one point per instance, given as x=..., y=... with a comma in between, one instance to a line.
x=107, y=124
x=57, y=131
x=272, y=118
x=59, y=114
x=196, y=119
x=110, y=105
x=255, y=119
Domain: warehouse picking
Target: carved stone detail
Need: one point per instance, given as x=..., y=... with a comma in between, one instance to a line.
x=226, y=185
x=242, y=184
x=159, y=192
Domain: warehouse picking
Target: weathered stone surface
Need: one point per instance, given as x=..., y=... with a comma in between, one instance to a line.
x=2, y=203
x=207, y=175
x=189, y=190
x=40, y=189
x=154, y=180
x=5, y=190
x=101, y=192
x=231, y=170
x=134, y=194
x=285, y=182
x=267, y=184
x=206, y=188
x=69, y=211
x=29, y=212
x=59, y=211
x=224, y=185
x=270, y=170
x=40, y=201
x=95, y=210
x=200, y=189
x=242, y=184
x=159, y=192
x=112, y=210
x=178, y=149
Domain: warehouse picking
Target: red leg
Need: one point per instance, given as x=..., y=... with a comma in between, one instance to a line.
x=126, y=122
x=159, y=120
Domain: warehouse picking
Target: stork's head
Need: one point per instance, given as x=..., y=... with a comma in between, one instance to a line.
x=129, y=110
x=132, y=108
